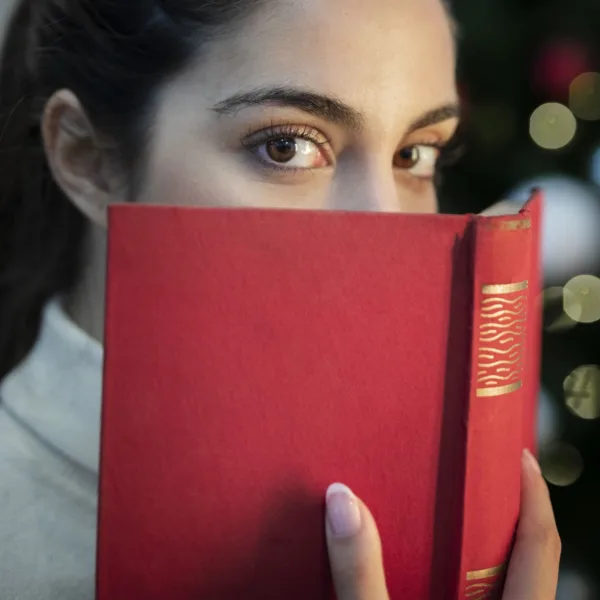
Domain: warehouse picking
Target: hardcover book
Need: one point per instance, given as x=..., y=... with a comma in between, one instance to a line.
x=253, y=357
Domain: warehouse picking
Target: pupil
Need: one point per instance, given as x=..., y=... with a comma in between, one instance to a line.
x=282, y=150
x=408, y=157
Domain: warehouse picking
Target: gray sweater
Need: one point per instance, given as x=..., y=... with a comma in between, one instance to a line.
x=49, y=440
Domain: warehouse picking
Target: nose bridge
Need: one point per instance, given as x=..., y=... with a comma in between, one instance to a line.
x=370, y=187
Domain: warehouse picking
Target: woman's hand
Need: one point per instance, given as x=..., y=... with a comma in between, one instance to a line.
x=355, y=547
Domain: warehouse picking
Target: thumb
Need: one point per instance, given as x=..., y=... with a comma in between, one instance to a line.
x=354, y=547
x=533, y=569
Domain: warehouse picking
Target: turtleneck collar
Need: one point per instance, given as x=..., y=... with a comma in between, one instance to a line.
x=56, y=392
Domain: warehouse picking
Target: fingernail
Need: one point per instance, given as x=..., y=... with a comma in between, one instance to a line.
x=343, y=511
x=531, y=462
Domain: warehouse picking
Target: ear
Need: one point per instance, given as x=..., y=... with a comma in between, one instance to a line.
x=80, y=164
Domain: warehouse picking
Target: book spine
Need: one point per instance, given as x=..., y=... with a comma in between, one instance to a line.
x=500, y=389
x=534, y=321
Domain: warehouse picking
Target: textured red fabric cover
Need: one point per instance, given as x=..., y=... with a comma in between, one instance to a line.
x=504, y=353
x=254, y=357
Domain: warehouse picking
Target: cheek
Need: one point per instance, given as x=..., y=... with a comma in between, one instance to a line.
x=189, y=175
x=167, y=182
x=221, y=181
x=199, y=179
x=424, y=202
x=167, y=179
x=189, y=169
x=184, y=165
x=192, y=171
x=415, y=195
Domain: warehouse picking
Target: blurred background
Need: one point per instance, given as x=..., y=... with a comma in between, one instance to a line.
x=529, y=75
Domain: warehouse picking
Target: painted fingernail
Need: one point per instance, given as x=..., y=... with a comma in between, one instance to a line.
x=343, y=511
x=531, y=462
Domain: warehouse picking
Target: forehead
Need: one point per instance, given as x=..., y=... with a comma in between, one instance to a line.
x=376, y=55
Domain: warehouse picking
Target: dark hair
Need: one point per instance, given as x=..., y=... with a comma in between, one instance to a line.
x=113, y=55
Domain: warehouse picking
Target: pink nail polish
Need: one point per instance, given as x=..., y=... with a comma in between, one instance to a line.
x=343, y=511
x=531, y=461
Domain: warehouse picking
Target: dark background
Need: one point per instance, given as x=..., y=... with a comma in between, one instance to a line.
x=515, y=55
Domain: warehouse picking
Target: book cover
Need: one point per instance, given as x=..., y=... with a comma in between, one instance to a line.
x=253, y=357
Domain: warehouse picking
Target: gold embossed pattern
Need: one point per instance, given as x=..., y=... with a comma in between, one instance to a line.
x=485, y=584
x=501, y=339
x=513, y=225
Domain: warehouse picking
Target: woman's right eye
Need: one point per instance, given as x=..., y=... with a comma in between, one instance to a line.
x=293, y=153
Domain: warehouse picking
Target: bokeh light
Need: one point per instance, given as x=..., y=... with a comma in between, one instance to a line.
x=584, y=96
x=552, y=126
x=556, y=64
x=594, y=170
x=562, y=464
x=582, y=391
x=503, y=207
x=574, y=586
x=582, y=299
x=571, y=222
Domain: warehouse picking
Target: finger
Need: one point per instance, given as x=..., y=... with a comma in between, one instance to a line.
x=533, y=569
x=354, y=547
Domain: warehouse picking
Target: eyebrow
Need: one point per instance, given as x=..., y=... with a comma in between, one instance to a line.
x=325, y=107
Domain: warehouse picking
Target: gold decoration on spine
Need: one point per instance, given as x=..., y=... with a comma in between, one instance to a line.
x=485, y=584
x=499, y=391
x=503, y=315
x=505, y=289
x=485, y=573
x=513, y=225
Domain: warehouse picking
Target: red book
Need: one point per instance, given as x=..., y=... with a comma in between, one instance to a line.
x=253, y=357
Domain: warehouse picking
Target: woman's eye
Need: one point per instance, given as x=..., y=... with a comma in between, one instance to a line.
x=419, y=160
x=292, y=153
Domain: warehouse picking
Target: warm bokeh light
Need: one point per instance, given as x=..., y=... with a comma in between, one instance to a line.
x=584, y=96
x=556, y=63
x=556, y=319
x=562, y=464
x=552, y=126
x=571, y=222
x=582, y=299
x=582, y=391
x=574, y=586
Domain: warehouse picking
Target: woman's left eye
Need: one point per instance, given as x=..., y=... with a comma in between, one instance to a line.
x=419, y=160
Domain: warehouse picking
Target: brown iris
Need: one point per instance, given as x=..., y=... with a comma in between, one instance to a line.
x=282, y=150
x=407, y=158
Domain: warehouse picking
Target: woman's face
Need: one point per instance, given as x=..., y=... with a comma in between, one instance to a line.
x=337, y=104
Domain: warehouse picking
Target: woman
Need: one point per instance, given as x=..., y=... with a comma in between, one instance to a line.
x=329, y=104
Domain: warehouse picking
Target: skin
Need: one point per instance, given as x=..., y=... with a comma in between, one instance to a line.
x=358, y=569
x=364, y=95
x=206, y=150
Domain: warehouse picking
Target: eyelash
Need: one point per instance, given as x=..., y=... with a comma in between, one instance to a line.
x=256, y=139
x=449, y=152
